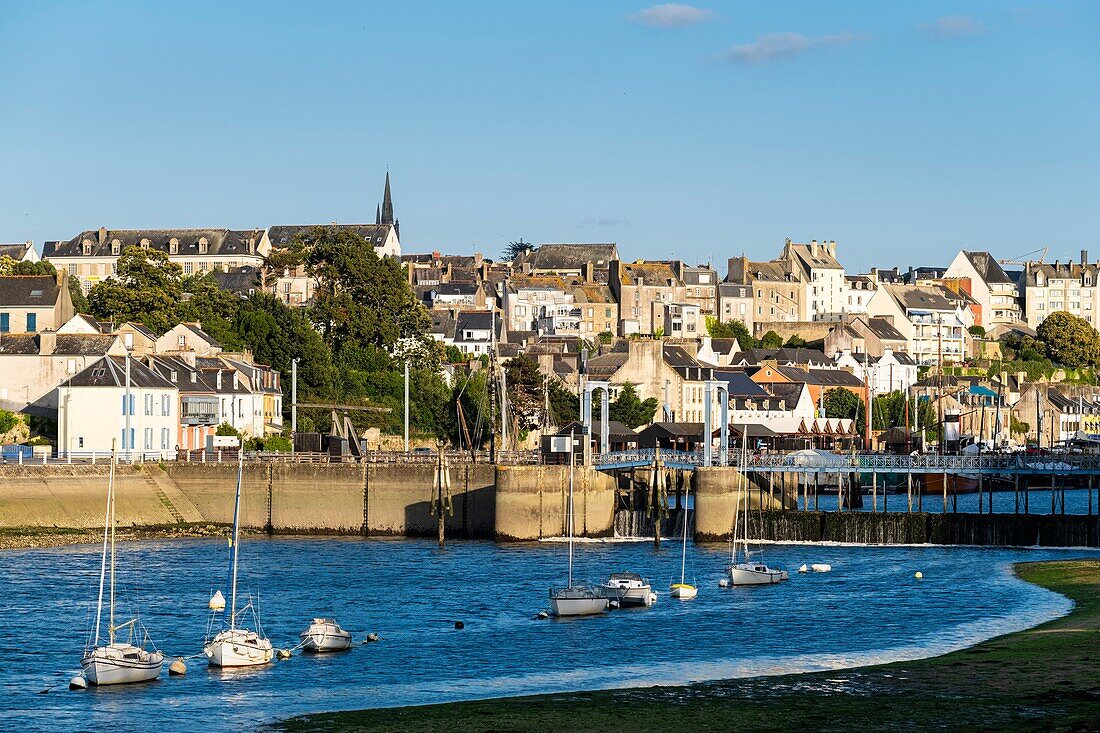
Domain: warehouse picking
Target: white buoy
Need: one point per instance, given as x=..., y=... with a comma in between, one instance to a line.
x=804, y=568
x=78, y=683
x=918, y=575
x=542, y=615
x=821, y=567
x=612, y=604
x=217, y=601
x=284, y=654
x=372, y=637
x=723, y=583
x=177, y=668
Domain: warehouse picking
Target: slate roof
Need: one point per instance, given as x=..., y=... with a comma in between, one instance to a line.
x=648, y=273
x=110, y=371
x=723, y=345
x=569, y=256
x=28, y=291
x=283, y=235
x=616, y=430
x=988, y=268
x=203, y=382
x=65, y=344
x=733, y=290
x=920, y=297
x=16, y=251
x=799, y=355
x=605, y=365
x=790, y=392
x=744, y=271
x=220, y=242
x=821, y=261
x=241, y=280
x=739, y=383
x=676, y=356
x=201, y=334
x=884, y=330
x=593, y=294
x=699, y=275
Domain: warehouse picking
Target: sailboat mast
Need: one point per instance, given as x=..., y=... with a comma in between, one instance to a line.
x=572, y=454
x=103, y=557
x=111, y=504
x=684, y=552
x=234, y=542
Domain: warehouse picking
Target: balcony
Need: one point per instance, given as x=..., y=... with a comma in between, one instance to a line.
x=199, y=411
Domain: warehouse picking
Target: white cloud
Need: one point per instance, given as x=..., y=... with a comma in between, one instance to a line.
x=952, y=26
x=671, y=15
x=782, y=45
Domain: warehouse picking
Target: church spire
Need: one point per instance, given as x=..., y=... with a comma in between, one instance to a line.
x=378, y=214
x=387, y=203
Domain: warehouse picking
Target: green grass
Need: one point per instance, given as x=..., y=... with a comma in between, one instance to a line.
x=1042, y=679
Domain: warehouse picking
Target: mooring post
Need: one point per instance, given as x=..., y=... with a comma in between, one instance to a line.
x=1027, y=496
x=874, y=491
x=1016, y=491
x=909, y=487
x=1052, y=494
x=981, y=494
x=815, y=489
x=1089, y=492
x=943, y=475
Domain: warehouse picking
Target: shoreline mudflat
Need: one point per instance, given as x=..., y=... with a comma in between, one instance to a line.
x=1042, y=679
x=23, y=538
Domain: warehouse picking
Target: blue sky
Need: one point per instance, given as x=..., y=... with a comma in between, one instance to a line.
x=904, y=131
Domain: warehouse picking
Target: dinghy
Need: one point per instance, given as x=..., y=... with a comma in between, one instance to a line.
x=325, y=635
x=117, y=662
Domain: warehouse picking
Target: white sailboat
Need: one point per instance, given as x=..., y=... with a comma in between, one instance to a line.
x=576, y=599
x=748, y=571
x=684, y=590
x=117, y=662
x=629, y=589
x=237, y=646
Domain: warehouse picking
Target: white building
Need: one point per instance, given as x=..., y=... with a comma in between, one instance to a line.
x=21, y=252
x=93, y=407
x=822, y=279
x=987, y=283
x=684, y=320
x=543, y=304
x=935, y=330
x=1062, y=286
x=857, y=293
x=891, y=372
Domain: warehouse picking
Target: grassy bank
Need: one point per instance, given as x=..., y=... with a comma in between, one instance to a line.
x=13, y=538
x=1042, y=679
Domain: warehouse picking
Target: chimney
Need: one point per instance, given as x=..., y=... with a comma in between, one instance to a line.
x=813, y=247
x=832, y=248
x=219, y=381
x=102, y=235
x=1084, y=257
x=47, y=343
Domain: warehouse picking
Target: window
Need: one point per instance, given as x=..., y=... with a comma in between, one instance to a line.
x=32, y=322
x=240, y=408
x=116, y=246
x=164, y=438
x=148, y=438
x=80, y=441
x=741, y=309
x=182, y=342
x=5, y=322
x=149, y=404
x=188, y=268
x=165, y=405
x=70, y=366
x=87, y=247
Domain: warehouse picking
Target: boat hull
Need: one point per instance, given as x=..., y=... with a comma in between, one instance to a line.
x=932, y=484
x=683, y=591
x=237, y=649
x=324, y=641
x=578, y=606
x=117, y=669
x=755, y=575
x=638, y=597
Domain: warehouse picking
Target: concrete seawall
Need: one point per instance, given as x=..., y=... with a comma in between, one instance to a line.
x=716, y=499
x=532, y=502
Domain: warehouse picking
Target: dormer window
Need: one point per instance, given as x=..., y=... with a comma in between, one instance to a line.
x=145, y=243
x=116, y=246
x=1039, y=279
x=204, y=245
x=173, y=246
x=87, y=246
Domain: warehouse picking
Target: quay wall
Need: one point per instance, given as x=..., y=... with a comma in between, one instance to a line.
x=532, y=502
x=720, y=490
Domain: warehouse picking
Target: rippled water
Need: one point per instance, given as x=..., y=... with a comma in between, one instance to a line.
x=869, y=609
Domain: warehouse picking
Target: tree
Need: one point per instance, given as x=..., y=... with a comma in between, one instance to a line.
x=515, y=249
x=842, y=403
x=629, y=409
x=1069, y=340
x=771, y=340
x=525, y=391
x=146, y=289
x=76, y=294
x=731, y=329
x=564, y=404
x=795, y=342
x=361, y=299
x=977, y=331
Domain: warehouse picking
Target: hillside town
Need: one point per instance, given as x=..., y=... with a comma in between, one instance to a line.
x=794, y=349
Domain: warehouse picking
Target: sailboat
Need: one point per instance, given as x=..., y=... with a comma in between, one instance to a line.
x=748, y=571
x=117, y=662
x=576, y=599
x=683, y=590
x=237, y=646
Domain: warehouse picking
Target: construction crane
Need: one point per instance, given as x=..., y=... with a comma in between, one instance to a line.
x=1025, y=258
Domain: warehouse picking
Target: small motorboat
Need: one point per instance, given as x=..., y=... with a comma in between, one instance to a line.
x=629, y=589
x=325, y=635
x=578, y=600
x=117, y=664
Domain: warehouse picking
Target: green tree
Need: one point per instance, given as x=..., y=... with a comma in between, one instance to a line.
x=628, y=408
x=731, y=329
x=1069, y=340
x=526, y=391
x=515, y=249
x=771, y=340
x=147, y=289
x=361, y=299
x=564, y=404
x=795, y=342
x=76, y=294
x=225, y=429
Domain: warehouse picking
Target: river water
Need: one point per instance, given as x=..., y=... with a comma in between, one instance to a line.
x=870, y=608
